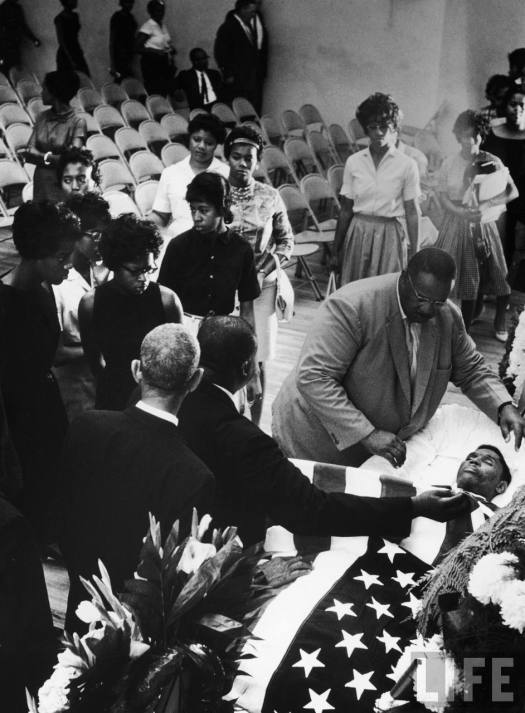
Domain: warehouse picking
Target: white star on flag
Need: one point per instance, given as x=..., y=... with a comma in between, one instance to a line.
x=369, y=579
x=350, y=642
x=389, y=641
x=319, y=702
x=390, y=550
x=341, y=609
x=404, y=578
x=414, y=604
x=380, y=609
x=392, y=674
x=361, y=682
x=308, y=661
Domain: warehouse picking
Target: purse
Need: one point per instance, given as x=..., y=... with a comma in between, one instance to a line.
x=284, y=297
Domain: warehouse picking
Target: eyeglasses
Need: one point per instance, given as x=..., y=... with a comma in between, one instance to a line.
x=141, y=271
x=425, y=300
x=380, y=125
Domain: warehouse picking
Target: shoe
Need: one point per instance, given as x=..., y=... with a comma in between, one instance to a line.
x=501, y=335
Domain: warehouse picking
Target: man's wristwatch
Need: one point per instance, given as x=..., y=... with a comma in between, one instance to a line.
x=502, y=406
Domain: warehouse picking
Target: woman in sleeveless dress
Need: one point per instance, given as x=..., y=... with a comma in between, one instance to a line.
x=115, y=317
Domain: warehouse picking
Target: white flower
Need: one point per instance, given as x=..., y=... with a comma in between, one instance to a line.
x=490, y=575
x=88, y=612
x=203, y=526
x=195, y=553
x=512, y=605
x=68, y=659
x=137, y=649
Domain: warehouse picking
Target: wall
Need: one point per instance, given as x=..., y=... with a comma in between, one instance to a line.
x=335, y=52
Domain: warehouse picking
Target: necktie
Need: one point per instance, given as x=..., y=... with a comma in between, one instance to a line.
x=204, y=89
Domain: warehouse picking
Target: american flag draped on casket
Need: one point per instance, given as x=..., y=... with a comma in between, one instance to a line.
x=329, y=640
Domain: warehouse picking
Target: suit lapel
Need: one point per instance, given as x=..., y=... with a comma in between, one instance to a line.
x=398, y=349
x=425, y=362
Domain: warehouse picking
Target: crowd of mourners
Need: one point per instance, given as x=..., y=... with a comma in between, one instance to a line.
x=150, y=337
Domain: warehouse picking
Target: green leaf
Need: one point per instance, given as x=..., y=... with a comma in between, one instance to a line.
x=172, y=540
x=150, y=564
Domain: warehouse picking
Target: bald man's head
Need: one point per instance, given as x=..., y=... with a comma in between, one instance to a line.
x=169, y=357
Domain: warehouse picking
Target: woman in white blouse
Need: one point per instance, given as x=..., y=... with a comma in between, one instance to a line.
x=380, y=187
x=156, y=49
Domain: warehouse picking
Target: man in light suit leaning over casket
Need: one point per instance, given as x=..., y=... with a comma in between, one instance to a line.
x=376, y=364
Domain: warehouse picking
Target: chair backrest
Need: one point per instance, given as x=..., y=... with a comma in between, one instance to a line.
x=102, y=147
x=134, y=89
x=154, y=135
x=145, y=196
x=28, y=89
x=5, y=151
x=300, y=157
x=115, y=174
x=321, y=149
x=293, y=123
x=179, y=102
x=276, y=166
x=176, y=127
x=17, y=136
x=13, y=178
x=194, y=112
x=8, y=94
x=119, y=203
x=113, y=94
x=157, y=106
x=356, y=131
x=35, y=107
x=224, y=114
x=340, y=141
x=312, y=118
x=173, y=153
x=334, y=176
x=145, y=166
x=109, y=119
x=128, y=141
x=271, y=131
x=12, y=114
x=244, y=110
x=134, y=112
x=91, y=123
x=320, y=197
x=89, y=99
x=297, y=208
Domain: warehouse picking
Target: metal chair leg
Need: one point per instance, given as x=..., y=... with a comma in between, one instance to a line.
x=311, y=279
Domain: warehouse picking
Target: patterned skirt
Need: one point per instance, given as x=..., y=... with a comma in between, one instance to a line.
x=489, y=274
x=373, y=246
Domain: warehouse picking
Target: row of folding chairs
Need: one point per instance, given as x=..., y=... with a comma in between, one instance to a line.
x=298, y=158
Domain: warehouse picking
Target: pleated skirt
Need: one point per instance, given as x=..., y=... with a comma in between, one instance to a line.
x=373, y=246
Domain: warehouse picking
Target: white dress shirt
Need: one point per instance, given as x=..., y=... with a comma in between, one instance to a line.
x=205, y=87
x=158, y=36
x=412, y=338
x=381, y=191
x=159, y=413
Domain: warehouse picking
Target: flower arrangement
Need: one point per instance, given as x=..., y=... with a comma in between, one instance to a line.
x=169, y=642
x=513, y=363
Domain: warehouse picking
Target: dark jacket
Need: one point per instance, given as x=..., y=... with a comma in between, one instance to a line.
x=188, y=81
x=255, y=481
x=117, y=468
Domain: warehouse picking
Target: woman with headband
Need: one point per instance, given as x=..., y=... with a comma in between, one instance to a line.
x=259, y=216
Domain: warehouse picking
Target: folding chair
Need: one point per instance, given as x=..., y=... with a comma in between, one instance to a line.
x=119, y=203
x=312, y=118
x=145, y=196
x=134, y=89
x=193, y=113
x=321, y=149
x=109, y=119
x=8, y=94
x=173, y=153
x=244, y=110
x=322, y=201
x=176, y=127
x=92, y=126
x=271, y=131
x=154, y=135
x=5, y=151
x=340, y=141
x=28, y=89
x=179, y=103
x=85, y=81
x=158, y=106
x=293, y=123
x=116, y=175
x=113, y=94
x=17, y=74
x=334, y=176
x=35, y=107
x=357, y=134
x=300, y=157
x=102, y=147
x=134, y=113
x=13, y=178
x=13, y=114
x=224, y=114
x=17, y=137
x=128, y=141
x=89, y=99
x=145, y=166
x=276, y=167
x=300, y=252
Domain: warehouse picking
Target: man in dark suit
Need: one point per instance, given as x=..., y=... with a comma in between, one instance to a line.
x=241, y=52
x=120, y=466
x=202, y=86
x=254, y=480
